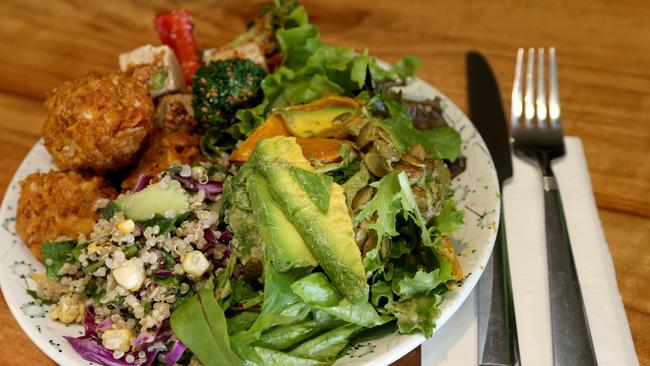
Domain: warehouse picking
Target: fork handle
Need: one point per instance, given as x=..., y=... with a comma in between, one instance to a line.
x=572, y=344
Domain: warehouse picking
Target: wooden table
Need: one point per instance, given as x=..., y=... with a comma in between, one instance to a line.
x=604, y=70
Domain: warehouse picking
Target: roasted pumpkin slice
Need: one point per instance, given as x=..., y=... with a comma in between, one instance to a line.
x=273, y=126
x=322, y=150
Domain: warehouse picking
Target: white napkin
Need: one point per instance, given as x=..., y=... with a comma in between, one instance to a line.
x=456, y=343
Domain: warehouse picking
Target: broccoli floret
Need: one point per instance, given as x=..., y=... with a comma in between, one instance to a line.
x=222, y=87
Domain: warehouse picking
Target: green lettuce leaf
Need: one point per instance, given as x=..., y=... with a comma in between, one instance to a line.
x=285, y=337
x=271, y=357
x=410, y=206
x=222, y=285
x=318, y=292
x=310, y=69
x=328, y=345
x=201, y=325
x=442, y=142
x=402, y=69
x=241, y=321
x=281, y=305
x=385, y=204
x=419, y=312
x=381, y=290
x=420, y=283
x=449, y=219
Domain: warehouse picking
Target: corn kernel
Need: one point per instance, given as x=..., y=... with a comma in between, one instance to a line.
x=117, y=339
x=91, y=248
x=126, y=226
x=130, y=274
x=69, y=309
x=194, y=263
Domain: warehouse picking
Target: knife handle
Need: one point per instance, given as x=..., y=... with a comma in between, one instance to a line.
x=500, y=347
x=572, y=344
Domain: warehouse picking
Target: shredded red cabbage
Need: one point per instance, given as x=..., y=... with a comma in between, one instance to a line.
x=106, y=324
x=142, y=339
x=210, y=236
x=175, y=353
x=164, y=273
x=90, y=350
x=142, y=182
x=90, y=327
x=211, y=188
x=226, y=236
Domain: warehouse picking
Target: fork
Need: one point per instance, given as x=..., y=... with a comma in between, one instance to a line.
x=539, y=136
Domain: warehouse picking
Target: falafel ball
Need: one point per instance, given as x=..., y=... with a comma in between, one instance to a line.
x=98, y=122
x=58, y=204
x=166, y=148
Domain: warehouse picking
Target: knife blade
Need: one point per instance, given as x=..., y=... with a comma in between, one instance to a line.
x=498, y=343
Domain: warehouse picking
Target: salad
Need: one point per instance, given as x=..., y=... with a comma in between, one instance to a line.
x=279, y=199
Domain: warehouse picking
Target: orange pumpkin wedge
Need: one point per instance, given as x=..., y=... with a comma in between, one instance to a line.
x=321, y=149
x=273, y=126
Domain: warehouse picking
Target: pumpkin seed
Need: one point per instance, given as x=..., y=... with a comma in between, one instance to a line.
x=444, y=176
x=414, y=173
x=412, y=160
x=385, y=247
x=342, y=118
x=361, y=234
x=370, y=244
x=362, y=197
x=376, y=164
x=366, y=135
x=417, y=151
x=385, y=149
x=422, y=202
x=253, y=268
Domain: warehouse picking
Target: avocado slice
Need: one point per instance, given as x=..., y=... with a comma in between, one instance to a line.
x=329, y=236
x=157, y=198
x=282, y=242
x=247, y=241
x=316, y=123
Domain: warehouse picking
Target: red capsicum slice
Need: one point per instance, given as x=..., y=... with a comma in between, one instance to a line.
x=176, y=31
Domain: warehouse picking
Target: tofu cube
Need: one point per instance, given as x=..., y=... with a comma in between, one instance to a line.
x=250, y=51
x=174, y=112
x=165, y=59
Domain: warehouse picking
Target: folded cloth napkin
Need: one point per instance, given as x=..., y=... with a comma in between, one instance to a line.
x=456, y=343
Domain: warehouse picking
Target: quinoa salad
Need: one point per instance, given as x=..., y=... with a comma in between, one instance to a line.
x=268, y=202
x=127, y=277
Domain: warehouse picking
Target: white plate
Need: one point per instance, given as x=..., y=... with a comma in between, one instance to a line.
x=476, y=192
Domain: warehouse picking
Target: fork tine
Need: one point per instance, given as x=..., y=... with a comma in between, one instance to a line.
x=540, y=104
x=529, y=106
x=517, y=88
x=554, y=93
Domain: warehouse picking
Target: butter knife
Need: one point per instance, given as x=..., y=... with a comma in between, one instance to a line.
x=496, y=316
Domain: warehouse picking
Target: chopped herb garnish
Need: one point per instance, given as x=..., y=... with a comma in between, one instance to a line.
x=92, y=267
x=35, y=296
x=110, y=210
x=168, y=260
x=56, y=254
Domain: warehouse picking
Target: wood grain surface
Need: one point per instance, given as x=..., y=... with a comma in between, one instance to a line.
x=604, y=70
